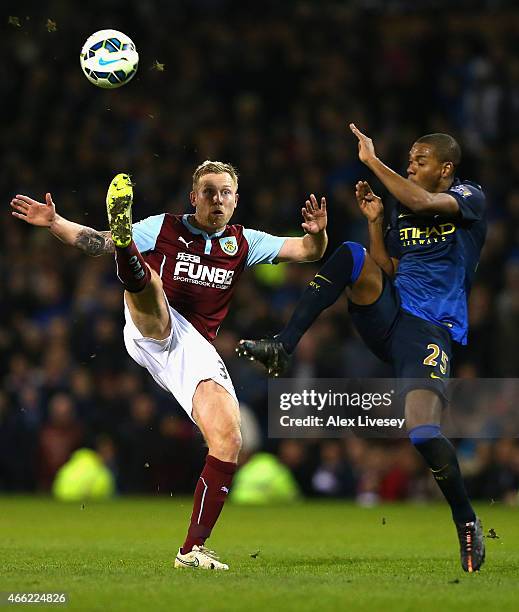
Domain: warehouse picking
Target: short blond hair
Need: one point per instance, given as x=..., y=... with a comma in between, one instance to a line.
x=214, y=167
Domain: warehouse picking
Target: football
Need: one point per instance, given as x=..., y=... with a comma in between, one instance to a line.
x=109, y=59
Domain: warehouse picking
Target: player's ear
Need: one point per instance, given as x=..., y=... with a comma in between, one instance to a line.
x=236, y=198
x=192, y=198
x=448, y=169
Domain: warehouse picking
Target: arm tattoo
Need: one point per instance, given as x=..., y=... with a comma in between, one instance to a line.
x=94, y=243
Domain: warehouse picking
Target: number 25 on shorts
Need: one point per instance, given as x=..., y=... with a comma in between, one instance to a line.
x=432, y=359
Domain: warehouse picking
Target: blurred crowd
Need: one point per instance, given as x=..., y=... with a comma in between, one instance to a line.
x=270, y=88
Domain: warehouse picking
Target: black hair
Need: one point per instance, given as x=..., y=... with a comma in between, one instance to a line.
x=446, y=147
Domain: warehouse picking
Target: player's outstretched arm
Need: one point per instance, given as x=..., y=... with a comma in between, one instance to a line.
x=405, y=191
x=372, y=208
x=312, y=245
x=43, y=214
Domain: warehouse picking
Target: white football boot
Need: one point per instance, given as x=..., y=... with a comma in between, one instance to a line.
x=200, y=556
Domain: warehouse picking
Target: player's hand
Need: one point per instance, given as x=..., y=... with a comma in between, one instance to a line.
x=370, y=204
x=41, y=214
x=314, y=215
x=366, y=146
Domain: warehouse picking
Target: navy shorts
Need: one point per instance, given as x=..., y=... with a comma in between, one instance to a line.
x=416, y=348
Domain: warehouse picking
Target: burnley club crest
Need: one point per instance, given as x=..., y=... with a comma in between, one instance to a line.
x=229, y=245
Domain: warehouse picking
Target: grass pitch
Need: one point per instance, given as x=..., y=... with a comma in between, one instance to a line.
x=311, y=556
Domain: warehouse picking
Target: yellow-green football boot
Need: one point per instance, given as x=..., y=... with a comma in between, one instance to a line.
x=119, y=199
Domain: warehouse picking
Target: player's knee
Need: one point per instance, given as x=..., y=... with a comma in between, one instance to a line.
x=343, y=267
x=226, y=443
x=423, y=433
x=422, y=409
x=232, y=437
x=358, y=255
x=235, y=441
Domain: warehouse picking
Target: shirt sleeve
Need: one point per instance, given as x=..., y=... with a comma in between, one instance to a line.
x=263, y=247
x=145, y=232
x=470, y=199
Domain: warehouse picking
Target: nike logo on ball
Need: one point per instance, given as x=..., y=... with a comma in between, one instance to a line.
x=103, y=62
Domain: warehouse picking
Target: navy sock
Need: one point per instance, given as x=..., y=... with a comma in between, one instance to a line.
x=341, y=269
x=440, y=456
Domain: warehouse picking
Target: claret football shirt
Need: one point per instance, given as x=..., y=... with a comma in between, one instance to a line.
x=198, y=270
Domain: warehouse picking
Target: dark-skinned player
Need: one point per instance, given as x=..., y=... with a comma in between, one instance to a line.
x=408, y=299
